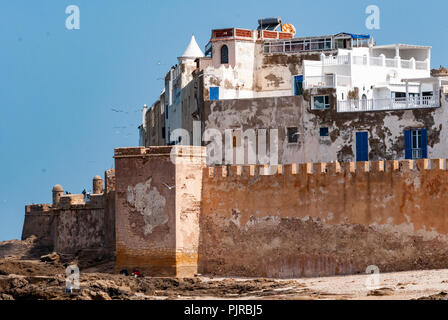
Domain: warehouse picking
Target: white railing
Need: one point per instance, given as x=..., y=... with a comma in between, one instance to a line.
x=391, y=63
x=376, y=61
x=406, y=64
x=388, y=104
x=421, y=65
x=327, y=81
x=336, y=60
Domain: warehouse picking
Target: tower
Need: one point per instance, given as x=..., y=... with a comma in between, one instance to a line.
x=58, y=191
x=98, y=185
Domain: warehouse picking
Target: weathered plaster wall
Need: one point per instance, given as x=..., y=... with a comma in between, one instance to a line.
x=251, y=73
x=274, y=72
x=157, y=210
x=385, y=128
x=299, y=223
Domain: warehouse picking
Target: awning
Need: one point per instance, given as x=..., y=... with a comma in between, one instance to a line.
x=355, y=36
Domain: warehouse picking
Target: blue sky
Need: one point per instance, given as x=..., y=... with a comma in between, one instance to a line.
x=58, y=87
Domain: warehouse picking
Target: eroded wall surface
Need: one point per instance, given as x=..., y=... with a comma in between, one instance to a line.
x=145, y=223
x=311, y=220
x=158, y=197
x=385, y=128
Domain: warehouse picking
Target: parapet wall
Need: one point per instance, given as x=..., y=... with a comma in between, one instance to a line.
x=324, y=219
x=174, y=216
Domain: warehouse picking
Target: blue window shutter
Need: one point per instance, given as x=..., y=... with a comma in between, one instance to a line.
x=214, y=93
x=424, y=143
x=407, y=144
x=362, y=146
x=298, y=85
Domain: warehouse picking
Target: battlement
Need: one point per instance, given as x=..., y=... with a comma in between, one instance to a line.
x=38, y=208
x=331, y=168
x=75, y=222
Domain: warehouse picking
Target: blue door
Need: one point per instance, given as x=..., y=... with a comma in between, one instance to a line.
x=214, y=93
x=298, y=85
x=362, y=146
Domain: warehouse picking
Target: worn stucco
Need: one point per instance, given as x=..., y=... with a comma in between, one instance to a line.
x=318, y=222
x=157, y=209
x=385, y=128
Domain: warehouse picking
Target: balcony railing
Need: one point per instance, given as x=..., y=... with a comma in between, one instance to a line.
x=388, y=104
x=374, y=61
x=326, y=81
x=295, y=45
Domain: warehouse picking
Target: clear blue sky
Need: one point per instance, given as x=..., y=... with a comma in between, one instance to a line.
x=57, y=87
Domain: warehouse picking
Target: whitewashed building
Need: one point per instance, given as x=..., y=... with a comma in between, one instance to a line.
x=337, y=97
x=385, y=77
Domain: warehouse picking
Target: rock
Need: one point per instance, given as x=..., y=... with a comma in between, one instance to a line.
x=52, y=258
x=4, y=296
x=439, y=296
x=381, y=292
x=98, y=295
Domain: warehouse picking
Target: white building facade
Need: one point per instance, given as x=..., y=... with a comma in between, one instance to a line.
x=385, y=77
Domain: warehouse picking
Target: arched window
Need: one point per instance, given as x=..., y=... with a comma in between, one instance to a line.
x=224, y=54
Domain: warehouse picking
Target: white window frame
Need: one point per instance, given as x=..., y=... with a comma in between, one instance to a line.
x=326, y=105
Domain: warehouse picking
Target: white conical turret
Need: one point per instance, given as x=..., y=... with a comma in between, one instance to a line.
x=193, y=51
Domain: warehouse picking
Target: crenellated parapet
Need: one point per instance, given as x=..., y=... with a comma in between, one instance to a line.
x=324, y=168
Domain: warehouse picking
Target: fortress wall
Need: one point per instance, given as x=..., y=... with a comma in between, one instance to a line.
x=157, y=209
x=109, y=209
x=145, y=211
x=324, y=219
x=80, y=229
x=73, y=225
x=40, y=221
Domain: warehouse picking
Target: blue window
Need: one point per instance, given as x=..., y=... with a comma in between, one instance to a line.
x=416, y=144
x=362, y=146
x=324, y=132
x=224, y=54
x=214, y=93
